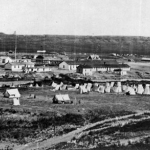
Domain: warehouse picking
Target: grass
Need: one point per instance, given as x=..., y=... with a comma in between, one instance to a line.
x=39, y=113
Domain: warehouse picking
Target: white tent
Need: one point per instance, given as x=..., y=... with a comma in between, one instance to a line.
x=82, y=89
x=31, y=85
x=130, y=91
x=76, y=86
x=54, y=84
x=140, y=89
x=112, y=84
x=63, y=87
x=135, y=88
x=107, y=89
x=16, y=101
x=96, y=88
x=12, y=93
x=85, y=84
x=147, y=90
x=89, y=86
x=124, y=88
x=115, y=89
x=101, y=89
x=36, y=85
x=61, y=98
x=56, y=88
x=119, y=87
x=107, y=84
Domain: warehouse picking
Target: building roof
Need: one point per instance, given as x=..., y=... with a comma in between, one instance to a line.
x=12, y=92
x=4, y=57
x=104, y=66
x=20, y=63
x=89, y=62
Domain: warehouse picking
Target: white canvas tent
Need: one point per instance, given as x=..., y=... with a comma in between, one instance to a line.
x=61, y=98
x=112, y=84
x=140, y=89
x=54, y=84
x=130, y=91
x=124, y=88
x=56, y=88
x=115, y=89
x=63, y=87
x=89, y=86
x=31, y=85
x=36, y=85
x=107, y=89
x=101, y=89
x=12, y=93
x=76, y=86
x=82, y=89
x=147, y=90
x=16, y=101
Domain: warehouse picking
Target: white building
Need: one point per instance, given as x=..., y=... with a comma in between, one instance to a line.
x=89, y=69
x=69, y=65
x=5, y=59
x=37, y=69
x=85, y=69
x=18, y=66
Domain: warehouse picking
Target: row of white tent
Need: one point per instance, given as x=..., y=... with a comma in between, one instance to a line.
x=107, y=88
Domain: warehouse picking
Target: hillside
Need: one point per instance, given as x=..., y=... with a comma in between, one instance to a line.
x=85, y=44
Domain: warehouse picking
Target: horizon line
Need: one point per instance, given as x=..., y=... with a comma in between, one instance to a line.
x=75, y=35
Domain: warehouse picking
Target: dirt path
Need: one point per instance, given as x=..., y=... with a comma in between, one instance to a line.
x=67, y=137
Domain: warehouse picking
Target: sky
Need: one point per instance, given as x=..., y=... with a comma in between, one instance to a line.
x=75, y=17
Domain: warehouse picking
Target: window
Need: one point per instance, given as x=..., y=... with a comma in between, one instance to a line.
x=3, y=60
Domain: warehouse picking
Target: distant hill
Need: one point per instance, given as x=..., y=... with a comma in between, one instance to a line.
x=85, y=44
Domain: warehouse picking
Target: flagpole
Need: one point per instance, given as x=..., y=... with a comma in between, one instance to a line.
x=15, y=44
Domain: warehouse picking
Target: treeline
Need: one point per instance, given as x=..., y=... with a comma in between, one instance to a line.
x=76, y=44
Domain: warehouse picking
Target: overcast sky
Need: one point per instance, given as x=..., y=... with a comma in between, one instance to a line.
x=76, y=17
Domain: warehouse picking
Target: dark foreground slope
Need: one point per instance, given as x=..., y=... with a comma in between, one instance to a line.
x=85, y=44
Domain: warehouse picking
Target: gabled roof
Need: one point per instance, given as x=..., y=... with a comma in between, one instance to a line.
x=104, y=66
x=12, y=93
x=21, y=63
x=85, y=66
x=89, y=62
x=4, y=57
x=62, y=97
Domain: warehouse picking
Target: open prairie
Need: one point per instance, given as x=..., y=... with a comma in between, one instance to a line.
x=38, y=119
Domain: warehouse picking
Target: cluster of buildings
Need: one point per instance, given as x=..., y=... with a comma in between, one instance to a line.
x=85, y=67
x=21, y=65
x=89, y=67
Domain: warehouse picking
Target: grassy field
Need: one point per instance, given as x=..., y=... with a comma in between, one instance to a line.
x=39, y=113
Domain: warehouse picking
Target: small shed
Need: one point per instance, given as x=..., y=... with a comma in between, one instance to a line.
x=12, y=93
x=61, y=98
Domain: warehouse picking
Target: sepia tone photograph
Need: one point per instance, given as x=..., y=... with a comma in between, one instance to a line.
x=74, y=75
